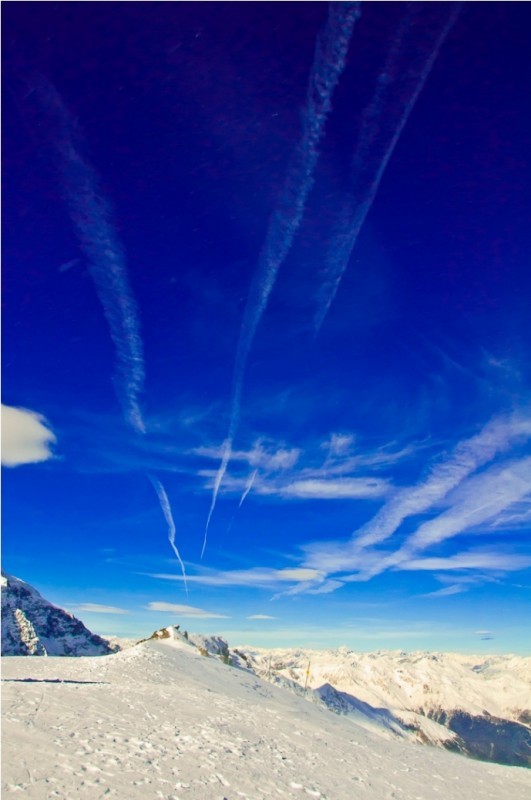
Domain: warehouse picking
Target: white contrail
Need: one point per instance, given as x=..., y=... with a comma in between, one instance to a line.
x=328, y=64
x=248, y=487
x=225, y=458
x=368, y=168
x=166, y=510
x=246, y=491
x=91, y=216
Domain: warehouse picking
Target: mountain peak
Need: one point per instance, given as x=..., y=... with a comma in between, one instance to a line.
x=32, y=626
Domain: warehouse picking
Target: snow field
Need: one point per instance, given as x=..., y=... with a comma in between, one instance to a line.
x=161, y=721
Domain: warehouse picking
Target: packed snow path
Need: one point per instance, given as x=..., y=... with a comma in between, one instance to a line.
x=161, y=721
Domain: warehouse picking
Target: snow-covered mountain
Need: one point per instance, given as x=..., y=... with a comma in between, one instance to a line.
x=31, y=626
x=161, y=720
x=476, y=705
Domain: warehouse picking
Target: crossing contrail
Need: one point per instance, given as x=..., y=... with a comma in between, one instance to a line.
x=375, y=145
x=328, y=64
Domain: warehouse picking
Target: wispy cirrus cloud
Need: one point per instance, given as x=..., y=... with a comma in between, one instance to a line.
x=516, y=517
x=290, y=472
x=339, y=444
x=498, y=436
x=478, y=500
x=259, y=577
x=261, y=616
x=346, y=469
x=447, y=591
x=267, y=456
x=343, y=488
x=26, y=437
x=286, y=582
x=319, y=585
x=309, y=488
x=342, y=456
x=460, y=580
x=471, y=485
x=184, y=611
x=470, y=560
x=97, y=608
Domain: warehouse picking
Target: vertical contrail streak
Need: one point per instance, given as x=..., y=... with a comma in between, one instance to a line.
x=328, y=64
x=166, y=510
x=246, y=491
x=248, y=487
x=368, y=168
x=91, y=217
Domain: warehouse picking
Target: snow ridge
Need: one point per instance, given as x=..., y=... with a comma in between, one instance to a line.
x=161, y=720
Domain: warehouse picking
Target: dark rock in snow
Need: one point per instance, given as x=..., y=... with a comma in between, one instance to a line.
x=488, y=738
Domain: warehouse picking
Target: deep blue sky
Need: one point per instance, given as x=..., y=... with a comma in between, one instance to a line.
x=386, y=453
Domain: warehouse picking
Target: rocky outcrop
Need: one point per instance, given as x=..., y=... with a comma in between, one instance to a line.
x=31, y=626
x=486, y=737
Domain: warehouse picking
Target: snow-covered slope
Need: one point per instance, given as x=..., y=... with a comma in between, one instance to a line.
x=31, y=626
x=478, y=705
x=159, y=720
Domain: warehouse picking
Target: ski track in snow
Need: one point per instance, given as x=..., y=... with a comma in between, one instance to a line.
x=161, y=721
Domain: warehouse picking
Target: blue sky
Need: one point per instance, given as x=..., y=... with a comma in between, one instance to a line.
x=266, y=294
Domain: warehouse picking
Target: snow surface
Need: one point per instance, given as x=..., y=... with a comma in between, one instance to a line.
x=159, y=720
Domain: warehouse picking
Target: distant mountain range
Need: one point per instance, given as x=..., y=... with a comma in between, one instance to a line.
x=31, y=626
x=476, y=705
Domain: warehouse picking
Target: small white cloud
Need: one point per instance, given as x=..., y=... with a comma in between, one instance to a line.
x=26, y=439
x=480, y=559
x=282, y=459
x=297, y=574
x=326, y=587
x=483, y=633
x=185, y=611
x=317, y=585
x=96, y=608
x=343, y=488
x=339, y=444
x=456, y=588
x=261, y=616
